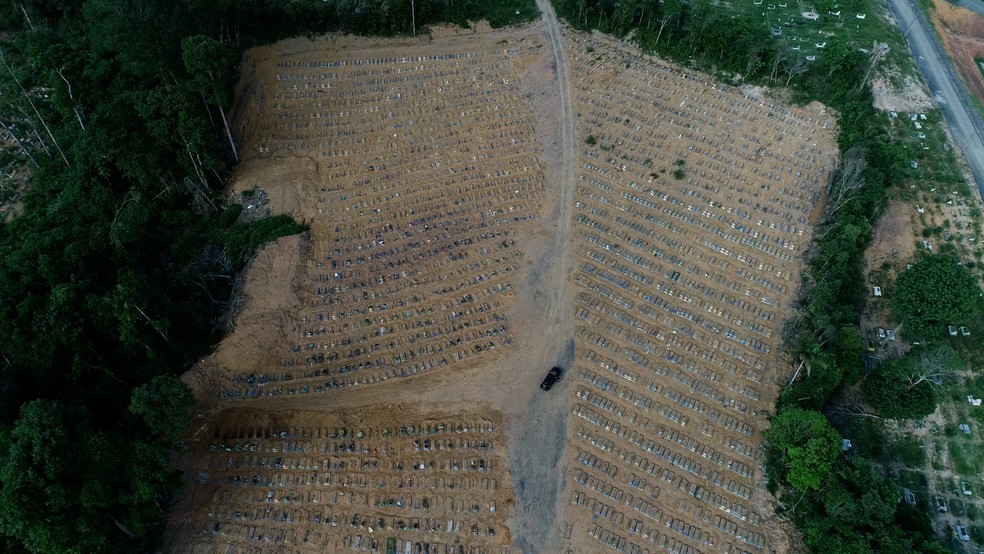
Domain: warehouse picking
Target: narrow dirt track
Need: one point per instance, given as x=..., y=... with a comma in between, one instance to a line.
x=536, y=444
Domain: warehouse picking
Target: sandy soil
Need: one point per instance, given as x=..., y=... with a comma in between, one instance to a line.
x=456, y=213
x=641, y=120
x=266, y=309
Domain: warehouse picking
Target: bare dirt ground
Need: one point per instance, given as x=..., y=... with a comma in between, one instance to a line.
x=256, y=361
x=694, y=200
x=910, y=98
x=962, y=32
x=465, y=237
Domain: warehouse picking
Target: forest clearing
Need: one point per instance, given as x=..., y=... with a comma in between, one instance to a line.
x=424, y=300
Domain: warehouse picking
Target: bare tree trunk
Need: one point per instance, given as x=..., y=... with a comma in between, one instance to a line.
x=203, y=190
x=207, y=109
x=26, y=17
x=122, y=528
x=75, y=106
x=798, y=68
x=232, y=144
x=796, y=374
x=877, y=53
x=41, y=141
x=849, y=181
x=413, y=17
x=662, y=25
x=851, y=407
x=31, y=102
x=152, y=324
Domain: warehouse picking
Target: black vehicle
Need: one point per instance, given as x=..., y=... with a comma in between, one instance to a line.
x=552, y=377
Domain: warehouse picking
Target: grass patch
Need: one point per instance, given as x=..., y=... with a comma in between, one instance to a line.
x=910, y=451
x=963, y=457
x=914, y=481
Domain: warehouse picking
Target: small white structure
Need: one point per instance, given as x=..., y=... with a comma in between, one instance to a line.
x=861, y=15
x=951, y=330
x=876, y=290
x=965, y=488
x=964, y=331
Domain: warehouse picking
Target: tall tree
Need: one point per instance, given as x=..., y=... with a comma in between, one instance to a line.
x=210, y=63
x=805, y=447
x=935, y=292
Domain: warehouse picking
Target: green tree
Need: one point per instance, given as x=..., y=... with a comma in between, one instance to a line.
x=890, y=394
x=55, y=496
x=933, y=293
x=908, y=387
x=163, y=403
x=804, y=447
x=850, y=349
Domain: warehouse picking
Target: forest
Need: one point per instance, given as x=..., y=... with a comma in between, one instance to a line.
x=116, y=274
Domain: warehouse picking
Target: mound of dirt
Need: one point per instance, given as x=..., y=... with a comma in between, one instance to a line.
x=264, y=319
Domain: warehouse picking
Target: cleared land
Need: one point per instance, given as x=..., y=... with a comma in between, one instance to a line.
x=435, y=291
x=694, y=204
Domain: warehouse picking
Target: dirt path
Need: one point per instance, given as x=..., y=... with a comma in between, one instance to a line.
x=537, y=445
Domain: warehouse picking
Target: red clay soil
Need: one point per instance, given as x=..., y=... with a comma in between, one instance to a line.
x=963, y=37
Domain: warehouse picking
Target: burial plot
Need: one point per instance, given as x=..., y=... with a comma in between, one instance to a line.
x=694, y=205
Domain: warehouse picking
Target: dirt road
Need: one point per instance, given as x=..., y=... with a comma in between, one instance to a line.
x=537, y=444
x=945, y=85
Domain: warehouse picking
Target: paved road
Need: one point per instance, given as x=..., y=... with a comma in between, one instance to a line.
x=945, y=84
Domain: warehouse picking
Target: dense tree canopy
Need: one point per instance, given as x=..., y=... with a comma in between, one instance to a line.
x=892, y=397
x=805, y=447
x=935, y=292
x=907, y=387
